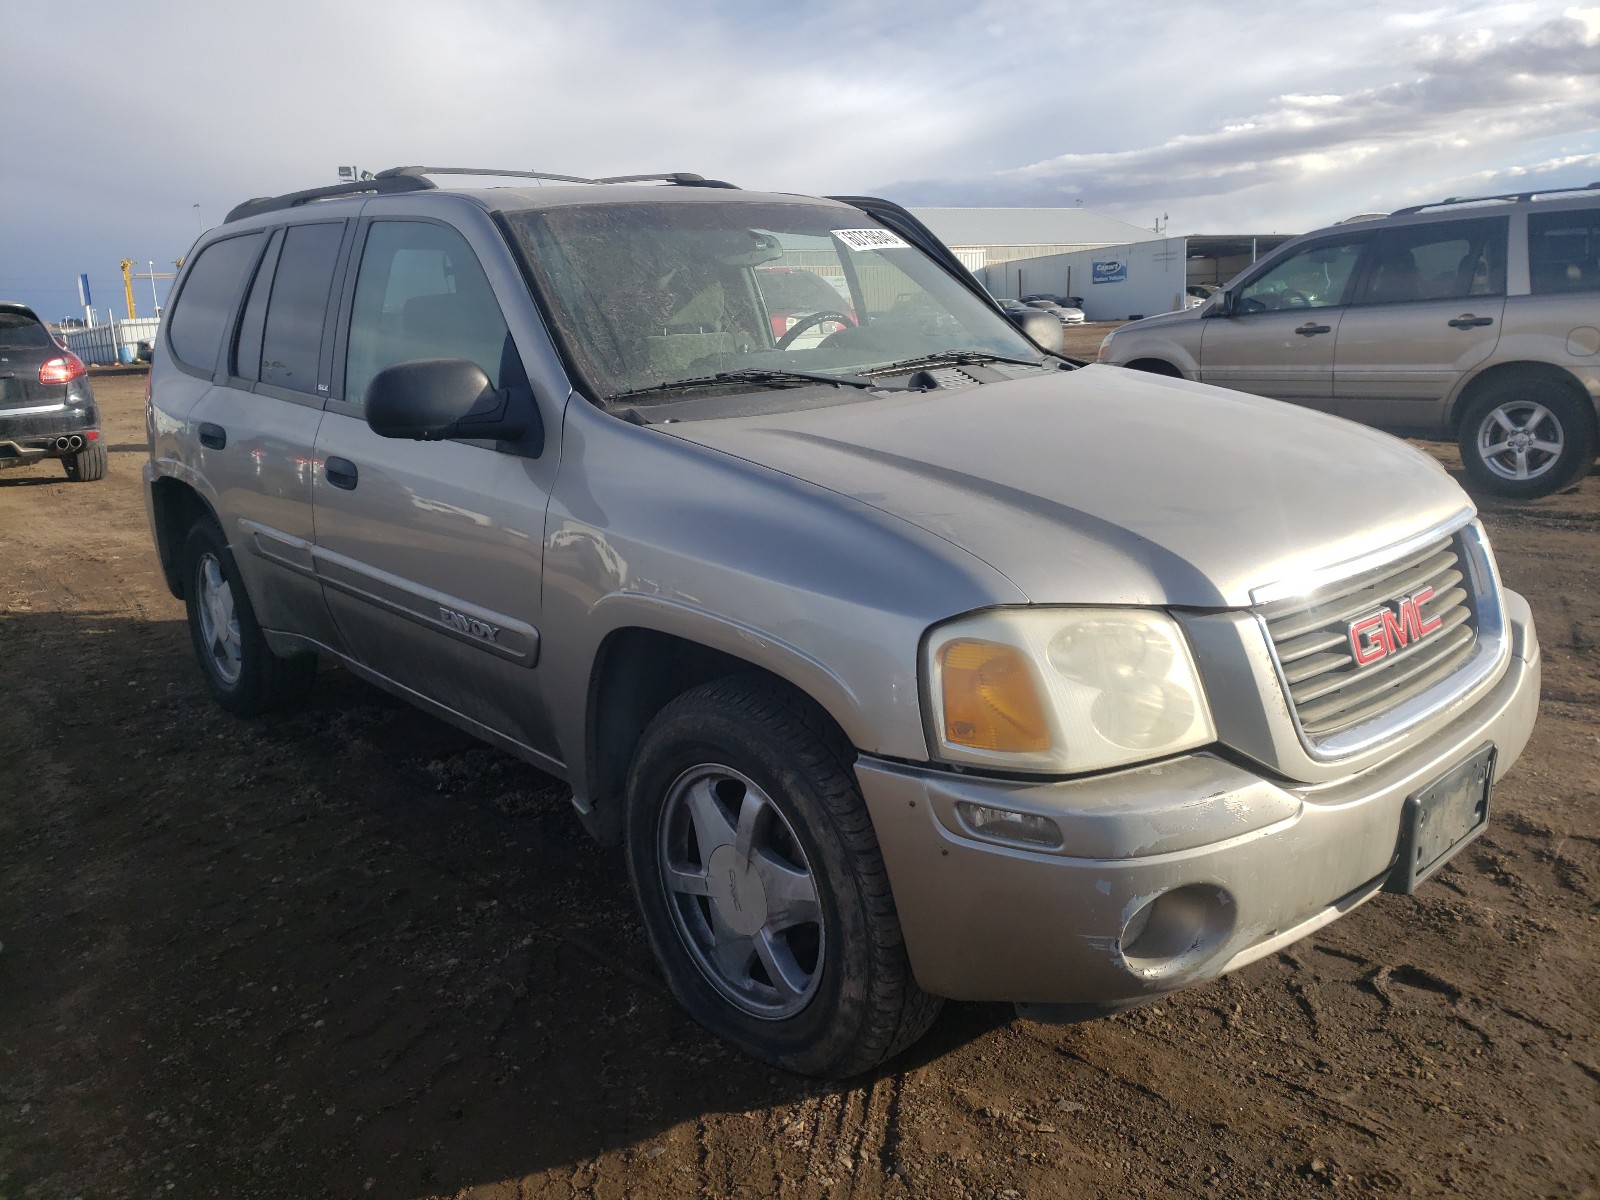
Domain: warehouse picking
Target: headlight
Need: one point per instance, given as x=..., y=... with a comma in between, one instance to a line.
x=1105, y=347
x=1063, y=690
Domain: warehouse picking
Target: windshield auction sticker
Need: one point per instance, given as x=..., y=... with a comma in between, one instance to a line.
x=869, y=239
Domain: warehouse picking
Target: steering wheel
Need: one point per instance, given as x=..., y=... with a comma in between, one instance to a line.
x=1290, y=298
x=805, y=323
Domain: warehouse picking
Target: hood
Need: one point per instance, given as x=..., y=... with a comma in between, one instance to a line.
x=1181, y=316
x=1106, y=486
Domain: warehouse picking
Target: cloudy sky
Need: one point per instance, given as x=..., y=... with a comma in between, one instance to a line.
x=140, y=126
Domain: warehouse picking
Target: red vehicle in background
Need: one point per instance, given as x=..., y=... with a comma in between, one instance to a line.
x=802, y=306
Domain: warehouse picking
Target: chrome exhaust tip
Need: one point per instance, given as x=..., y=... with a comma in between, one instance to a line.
x=75, y=442
x=63, y=443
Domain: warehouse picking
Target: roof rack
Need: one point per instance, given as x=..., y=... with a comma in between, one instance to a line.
x=414, y=179
x=680, y=178
x=1528, y=195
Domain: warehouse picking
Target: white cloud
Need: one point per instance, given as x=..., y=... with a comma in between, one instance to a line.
x=1468, y=98
x=1269, y=115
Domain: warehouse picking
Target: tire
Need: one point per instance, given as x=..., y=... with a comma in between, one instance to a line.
x=88, y=464
x=243, y=674
x=768, y=758
x=1526, y=426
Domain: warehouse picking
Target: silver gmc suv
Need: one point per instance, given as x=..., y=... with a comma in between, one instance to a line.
x=1476, y=319
x=910, y=660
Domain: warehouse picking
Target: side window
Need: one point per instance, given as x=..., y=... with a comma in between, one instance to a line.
x=1564, y=251
x=1313, y=278
x=247, y=348
x=1441, y=261
x=291, y=338
x=205, y=305
x=420, y=293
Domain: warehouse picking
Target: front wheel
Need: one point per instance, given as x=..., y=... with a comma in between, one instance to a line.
x=243, y=674
x=762, y=889
x=1526, y=438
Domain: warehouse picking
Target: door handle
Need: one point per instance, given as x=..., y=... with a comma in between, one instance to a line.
x=341, y=472
x=1468, y=321
x=214, y=436
x=1310, y=330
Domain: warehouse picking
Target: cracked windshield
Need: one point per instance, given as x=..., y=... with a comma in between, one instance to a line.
x=664, y=297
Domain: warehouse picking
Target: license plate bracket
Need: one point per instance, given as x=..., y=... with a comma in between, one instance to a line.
x=1440, y=819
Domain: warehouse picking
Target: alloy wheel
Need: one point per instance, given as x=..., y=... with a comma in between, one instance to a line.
x=219, y=619
x=741, y=892
x=1520, y=440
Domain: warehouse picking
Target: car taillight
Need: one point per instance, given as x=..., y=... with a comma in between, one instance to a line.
x=63, y=369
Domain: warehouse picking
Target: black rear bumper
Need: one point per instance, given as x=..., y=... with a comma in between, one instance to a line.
x=26, y=439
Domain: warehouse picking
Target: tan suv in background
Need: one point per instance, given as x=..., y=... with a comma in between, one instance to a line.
x=1477, y=319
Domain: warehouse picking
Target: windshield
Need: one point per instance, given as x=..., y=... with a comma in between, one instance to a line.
x=648, y=295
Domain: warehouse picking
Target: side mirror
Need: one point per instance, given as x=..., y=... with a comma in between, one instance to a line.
x=438, y=398
x=1040, y=327
x=1216, y=305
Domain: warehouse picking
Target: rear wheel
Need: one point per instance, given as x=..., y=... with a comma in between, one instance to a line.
x=243, y=674
x=1526, y=437
x=761, y=885
x=87, y=464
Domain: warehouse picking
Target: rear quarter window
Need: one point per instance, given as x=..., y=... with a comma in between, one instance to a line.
x=1564, y=251
x=204, y=307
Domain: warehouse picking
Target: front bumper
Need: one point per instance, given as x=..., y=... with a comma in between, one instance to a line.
x=1262, y=862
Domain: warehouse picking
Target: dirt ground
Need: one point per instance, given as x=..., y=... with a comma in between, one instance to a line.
x=350, y=952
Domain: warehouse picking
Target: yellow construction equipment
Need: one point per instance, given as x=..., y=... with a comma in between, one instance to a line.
x=129, y=275
x=127, y=285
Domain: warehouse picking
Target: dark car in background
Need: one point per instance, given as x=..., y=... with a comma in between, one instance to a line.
x=47, y=407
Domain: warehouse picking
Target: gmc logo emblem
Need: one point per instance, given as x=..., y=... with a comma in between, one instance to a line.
x=1380, y=634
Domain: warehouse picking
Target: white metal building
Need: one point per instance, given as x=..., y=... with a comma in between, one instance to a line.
x=1117, y=269
x=983, y=237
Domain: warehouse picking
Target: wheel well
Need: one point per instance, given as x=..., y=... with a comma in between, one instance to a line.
x=1545, y=372
x=1155, y=366
x=176, y=506
x=637, y=673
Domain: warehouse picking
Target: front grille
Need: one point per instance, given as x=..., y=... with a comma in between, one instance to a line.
x=1311, y=638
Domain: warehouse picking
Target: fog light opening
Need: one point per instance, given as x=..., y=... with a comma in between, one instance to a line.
x=1177, y=930
x=1005, y=825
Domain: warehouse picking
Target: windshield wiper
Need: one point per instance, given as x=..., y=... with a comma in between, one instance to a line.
x=771, y=377
x=954, y=358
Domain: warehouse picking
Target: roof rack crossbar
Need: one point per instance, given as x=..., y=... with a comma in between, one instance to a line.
x=681, y=178
x=266, y=204
x=418, y=172
x=1520, y=196
x=415, y=179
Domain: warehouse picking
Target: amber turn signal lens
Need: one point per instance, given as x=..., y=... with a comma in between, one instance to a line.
x=990, y=701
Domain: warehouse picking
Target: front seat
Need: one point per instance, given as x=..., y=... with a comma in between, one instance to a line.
x=1395, y=279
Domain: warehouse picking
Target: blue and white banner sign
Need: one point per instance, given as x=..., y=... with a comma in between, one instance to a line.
x=83, y=291
x=1111, y=270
